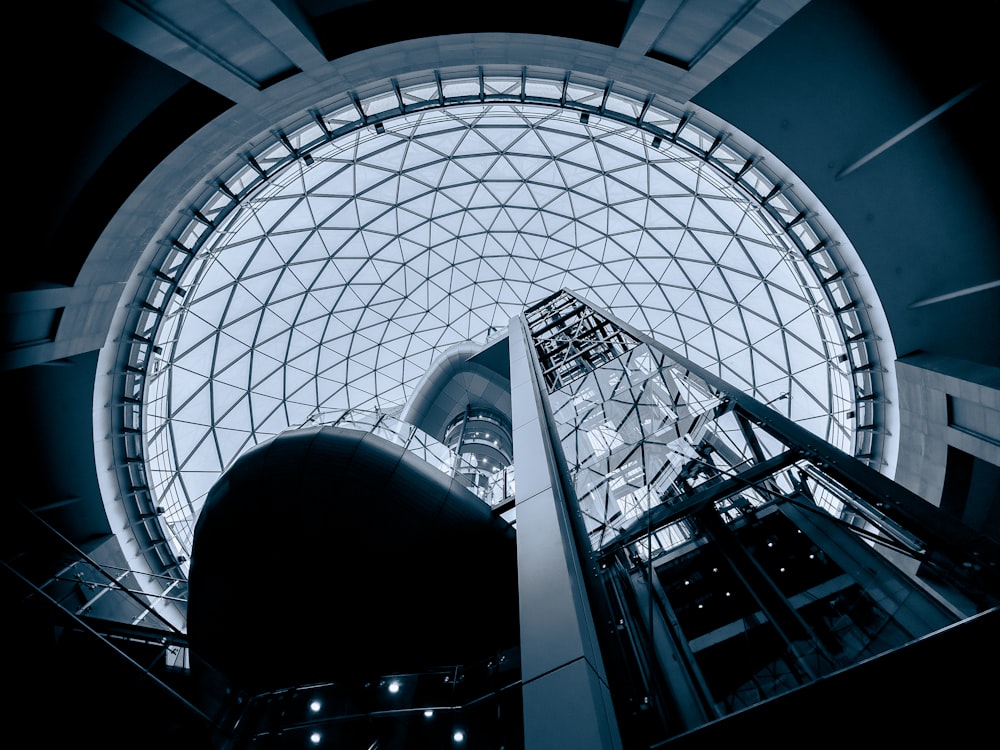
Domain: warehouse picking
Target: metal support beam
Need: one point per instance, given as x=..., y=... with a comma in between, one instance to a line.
x=149, y=30
x=660, y=515
x=690, y=698
x=970, y=559
x=285, y=25
x=567, y=701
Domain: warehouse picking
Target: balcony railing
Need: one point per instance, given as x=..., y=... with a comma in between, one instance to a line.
x=495, y=489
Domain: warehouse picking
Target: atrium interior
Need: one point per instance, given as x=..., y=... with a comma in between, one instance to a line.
x=323, y=296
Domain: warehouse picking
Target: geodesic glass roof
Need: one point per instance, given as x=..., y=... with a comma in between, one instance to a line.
x=333, y=267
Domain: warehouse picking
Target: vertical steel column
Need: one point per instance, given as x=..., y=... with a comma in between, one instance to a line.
x=686, y=691
x=567, y=702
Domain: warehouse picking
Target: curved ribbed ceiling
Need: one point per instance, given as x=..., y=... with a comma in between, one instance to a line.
x=337, y=282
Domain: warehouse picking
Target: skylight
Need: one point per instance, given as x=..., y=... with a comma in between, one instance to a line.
x=338, y=260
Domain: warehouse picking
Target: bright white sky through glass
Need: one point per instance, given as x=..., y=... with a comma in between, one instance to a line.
x=337, y=285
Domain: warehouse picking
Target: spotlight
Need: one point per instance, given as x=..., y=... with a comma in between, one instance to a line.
x=315, y=737
x=428, y=713
x=394, y=686
x=459, y=736
x=315, y=706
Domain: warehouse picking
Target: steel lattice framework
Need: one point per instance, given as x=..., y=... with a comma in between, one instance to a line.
x=335, y=261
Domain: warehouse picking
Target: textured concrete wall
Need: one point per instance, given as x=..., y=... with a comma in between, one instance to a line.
x=928, y=427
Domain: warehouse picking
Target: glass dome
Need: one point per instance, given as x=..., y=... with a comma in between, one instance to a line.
x=338, y=259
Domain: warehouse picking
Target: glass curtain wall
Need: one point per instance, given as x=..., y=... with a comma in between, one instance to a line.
x=731, y=547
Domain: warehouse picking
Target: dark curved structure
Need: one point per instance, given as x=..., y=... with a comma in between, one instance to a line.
x=331, y=536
